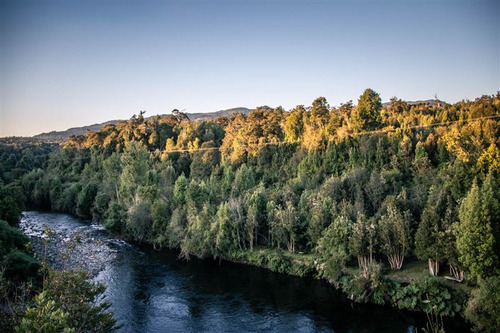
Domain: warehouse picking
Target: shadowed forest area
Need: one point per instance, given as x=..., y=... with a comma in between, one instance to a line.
x=394, y=204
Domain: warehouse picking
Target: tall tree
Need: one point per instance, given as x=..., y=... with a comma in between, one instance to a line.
x=475, y=238
x=395, y=235
x=294, y=124
x=320, y=113
x=366, y=115
x=256, y=214
x=362, y=242
x=333, y=248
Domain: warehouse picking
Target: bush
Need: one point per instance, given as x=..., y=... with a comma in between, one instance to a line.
x=115, y=216
x=483, y=308
x=430, y=296
x=18, y=265
x=371, y=287
x=45, y=317
x=279, y=263
x=69, y=302
x=85, y=200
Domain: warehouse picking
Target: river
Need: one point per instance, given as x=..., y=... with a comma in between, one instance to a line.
x=154, y=291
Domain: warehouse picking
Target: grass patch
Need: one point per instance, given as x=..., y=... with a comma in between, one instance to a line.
x=409, y=273
x=280, y=261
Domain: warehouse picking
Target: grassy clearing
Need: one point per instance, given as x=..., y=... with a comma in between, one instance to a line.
x=279, y=261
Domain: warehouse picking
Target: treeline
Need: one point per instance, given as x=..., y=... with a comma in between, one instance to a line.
x=356, y=186
x=18, y=156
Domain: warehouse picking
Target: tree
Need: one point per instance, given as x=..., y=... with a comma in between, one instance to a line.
x=395, y=235
x=320, y=113
x=9, y=207
x=287, y=219
x=176, y=229
x=180, y=115
x=85, y=200
x=475, y=236
x=491, y=211
x=362, y=242
x=430, y=238
x=333, y=248
x=111, y=169
x=490, y=159
x=198, y=239
x=224, y=232
x=139, y=221
x=319, y=216
x=244, y=180
x=238, y=220
x=134, y=161
x=203, y=162
x=100, y=206
x=366, y=115
x=180, y=187
x=115, y=217
x=256, y=214
x=160, y=216
x=294, y=124
x=483, y=308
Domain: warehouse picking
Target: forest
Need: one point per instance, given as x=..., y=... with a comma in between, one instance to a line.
x=365, y=195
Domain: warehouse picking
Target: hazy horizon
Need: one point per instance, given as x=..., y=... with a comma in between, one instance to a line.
x=72, y=64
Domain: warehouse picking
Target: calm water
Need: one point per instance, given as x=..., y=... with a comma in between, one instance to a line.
x=153, y=291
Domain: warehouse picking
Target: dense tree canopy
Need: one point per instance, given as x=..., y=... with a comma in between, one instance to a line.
x=361, y=183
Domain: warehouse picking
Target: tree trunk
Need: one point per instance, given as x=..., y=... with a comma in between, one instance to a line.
x=433, y=267
x=364, y=267
x=396, y=260
x=457, y=273
x=255, y=237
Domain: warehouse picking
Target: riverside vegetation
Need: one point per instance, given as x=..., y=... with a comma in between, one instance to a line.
x=384, y=202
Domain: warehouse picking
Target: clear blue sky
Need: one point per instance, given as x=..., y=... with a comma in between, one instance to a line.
x=74, y=63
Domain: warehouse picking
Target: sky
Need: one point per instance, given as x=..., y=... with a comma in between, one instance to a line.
x=74, y=63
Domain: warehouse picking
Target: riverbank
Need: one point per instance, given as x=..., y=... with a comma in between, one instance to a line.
x=86, y=248
x=153, y=291
x=411, y=288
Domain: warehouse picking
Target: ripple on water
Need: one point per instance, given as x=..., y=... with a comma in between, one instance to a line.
x=169, y=306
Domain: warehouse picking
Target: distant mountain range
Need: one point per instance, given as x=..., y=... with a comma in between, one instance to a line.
x=429, y=102
x=63, y=135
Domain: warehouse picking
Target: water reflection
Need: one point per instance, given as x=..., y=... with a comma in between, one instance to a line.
x=152, y=291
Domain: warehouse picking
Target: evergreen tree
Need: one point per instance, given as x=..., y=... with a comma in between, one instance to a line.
x=366, y=115
x=333, y=248
x=429, y=238
x=475, y=238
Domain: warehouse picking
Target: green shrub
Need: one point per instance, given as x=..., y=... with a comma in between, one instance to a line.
x=14, y=258
x=430, y=296
x=371, y=287
x=483, y=308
